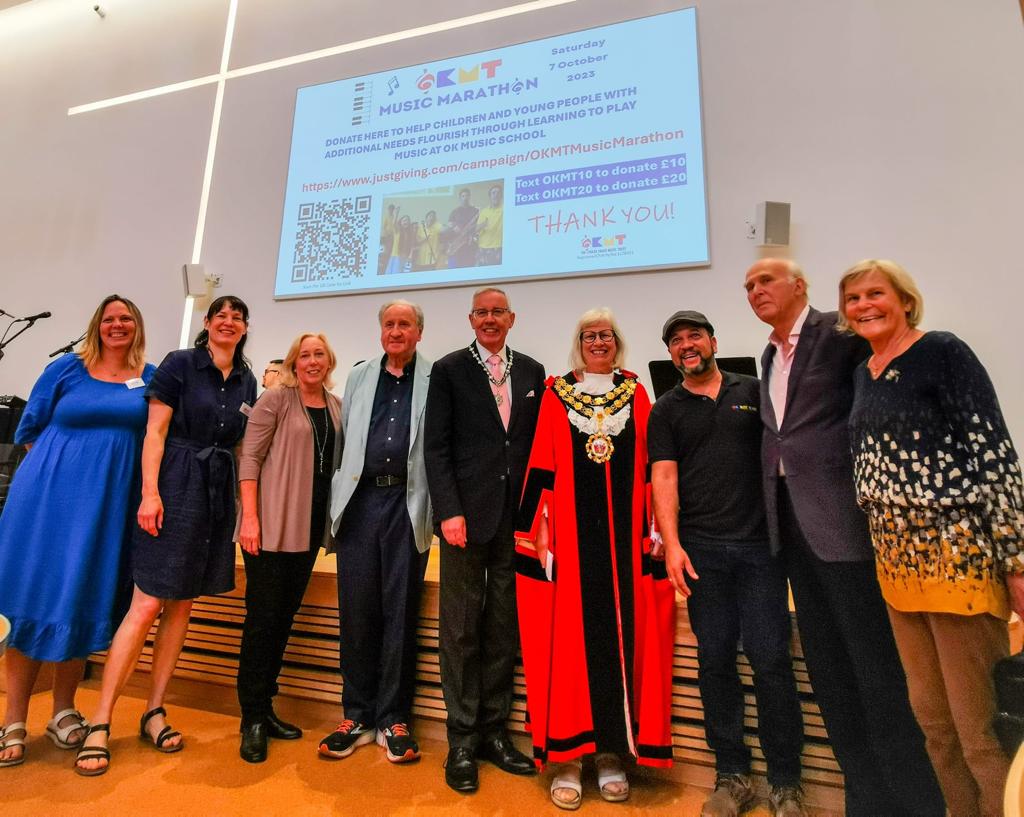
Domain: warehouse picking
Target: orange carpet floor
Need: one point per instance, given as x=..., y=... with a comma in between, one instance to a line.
x=208, y=778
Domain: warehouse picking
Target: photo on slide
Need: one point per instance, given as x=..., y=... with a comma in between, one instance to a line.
x=441, y=228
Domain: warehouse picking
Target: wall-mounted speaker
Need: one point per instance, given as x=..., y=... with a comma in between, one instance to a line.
x=193, y=276
x=772, y=224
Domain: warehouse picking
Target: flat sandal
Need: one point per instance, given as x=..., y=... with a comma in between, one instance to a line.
x=60, y=734
x=8, y=741
x=165, y=734
x=94, y=753
x=567, y=776
x=609, y=770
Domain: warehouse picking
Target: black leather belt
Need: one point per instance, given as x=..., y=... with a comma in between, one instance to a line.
x=388, y=481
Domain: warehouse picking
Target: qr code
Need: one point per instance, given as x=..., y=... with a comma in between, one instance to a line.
x=331, y=239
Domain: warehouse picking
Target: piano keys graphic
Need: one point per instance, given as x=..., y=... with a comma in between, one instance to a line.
x=361, y=107
x=363, y=96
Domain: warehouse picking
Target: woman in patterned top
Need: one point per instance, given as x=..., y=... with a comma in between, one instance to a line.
x=939, y=478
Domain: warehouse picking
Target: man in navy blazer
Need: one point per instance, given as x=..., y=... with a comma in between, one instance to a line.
x=822, y=537
x=482, y=408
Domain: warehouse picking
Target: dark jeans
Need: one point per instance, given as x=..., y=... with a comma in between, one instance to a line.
x=742, y=592
x=478, y=635
x=858, y=680
x=380, y=579
x=274, y=586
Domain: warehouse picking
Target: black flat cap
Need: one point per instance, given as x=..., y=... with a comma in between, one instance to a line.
x=687, y=316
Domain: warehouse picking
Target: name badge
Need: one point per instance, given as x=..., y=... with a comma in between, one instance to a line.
x=135, y=383
x=246, y=409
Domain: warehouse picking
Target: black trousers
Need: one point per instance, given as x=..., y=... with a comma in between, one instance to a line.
x=478, y=635
x=380, y=580
x=858, y=680
x=742, y=592
x=274, y=586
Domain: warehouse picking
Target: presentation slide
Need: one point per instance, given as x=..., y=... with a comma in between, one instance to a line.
x=573, y=155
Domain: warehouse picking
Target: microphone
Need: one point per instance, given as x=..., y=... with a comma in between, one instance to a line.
x=38, y=317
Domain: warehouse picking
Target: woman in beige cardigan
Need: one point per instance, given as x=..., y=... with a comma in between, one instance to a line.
x=292, y=446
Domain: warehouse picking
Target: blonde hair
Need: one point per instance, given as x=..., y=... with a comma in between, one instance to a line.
x=288, y=378
x=898, y=277
x=92, y=347
x=601, y=314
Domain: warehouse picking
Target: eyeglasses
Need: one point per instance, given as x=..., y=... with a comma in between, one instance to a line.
x=497, y=312
x=607, y=335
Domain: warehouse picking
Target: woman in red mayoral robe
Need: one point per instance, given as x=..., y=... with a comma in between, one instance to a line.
x=596, y=611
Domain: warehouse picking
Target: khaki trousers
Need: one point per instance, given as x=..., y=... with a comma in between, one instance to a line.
x=948, y=659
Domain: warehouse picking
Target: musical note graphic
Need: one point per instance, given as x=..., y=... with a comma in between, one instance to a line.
x=392, y=85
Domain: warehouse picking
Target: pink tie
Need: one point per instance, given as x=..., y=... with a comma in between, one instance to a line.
x=500, y=392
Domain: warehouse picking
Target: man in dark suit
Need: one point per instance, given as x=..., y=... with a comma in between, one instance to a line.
x=482, y=407
x=813, y=520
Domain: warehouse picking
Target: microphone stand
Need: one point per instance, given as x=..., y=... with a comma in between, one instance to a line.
x=68, y=347
x=5, y=341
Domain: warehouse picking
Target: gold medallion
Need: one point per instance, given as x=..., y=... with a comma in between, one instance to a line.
x=600, y=447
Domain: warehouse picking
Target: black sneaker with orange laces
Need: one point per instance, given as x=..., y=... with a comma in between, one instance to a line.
x=344, y=740
x=398, y=742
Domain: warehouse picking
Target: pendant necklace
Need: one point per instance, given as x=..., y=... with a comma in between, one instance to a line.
x=878, y=362
x=487, y=370
x=320, y=446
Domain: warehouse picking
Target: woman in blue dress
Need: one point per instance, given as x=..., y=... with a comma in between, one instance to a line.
x=67, y=517
x=183, y=546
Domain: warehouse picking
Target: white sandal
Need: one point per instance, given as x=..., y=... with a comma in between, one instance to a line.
x=60, y=734
x=609, y=770
x=567, y=776
x=7, y=741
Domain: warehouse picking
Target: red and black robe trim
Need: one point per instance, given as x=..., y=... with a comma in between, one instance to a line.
x=598, y=638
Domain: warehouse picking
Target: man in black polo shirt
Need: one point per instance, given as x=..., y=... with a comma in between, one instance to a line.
x=704, y=443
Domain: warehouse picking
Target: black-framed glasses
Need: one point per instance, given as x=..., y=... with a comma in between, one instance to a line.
x=497, y=312
x=607, y=335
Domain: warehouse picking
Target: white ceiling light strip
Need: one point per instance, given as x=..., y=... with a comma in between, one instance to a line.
x=345, y=48
x=224, y=74
x=211, y=152
x=398, y=36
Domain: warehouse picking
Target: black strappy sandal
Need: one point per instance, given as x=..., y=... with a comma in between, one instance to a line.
x=93, y=753
x=165, y=734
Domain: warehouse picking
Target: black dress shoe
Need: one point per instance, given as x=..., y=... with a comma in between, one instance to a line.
x=505, y=756
x=254, y=743
x=460, y=769
x=277, y=728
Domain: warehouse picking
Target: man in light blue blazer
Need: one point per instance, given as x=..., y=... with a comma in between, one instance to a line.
x=381, y=520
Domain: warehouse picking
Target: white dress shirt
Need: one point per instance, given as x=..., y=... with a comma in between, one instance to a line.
x=782, y=365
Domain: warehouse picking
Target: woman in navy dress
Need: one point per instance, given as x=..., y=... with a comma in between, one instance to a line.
x=68, y=514
x=182, y=548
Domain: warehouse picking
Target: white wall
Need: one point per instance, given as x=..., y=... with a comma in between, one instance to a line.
x=894, y=128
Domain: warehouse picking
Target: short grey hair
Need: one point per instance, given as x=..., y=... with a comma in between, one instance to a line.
x=795, y=271
x=416, y=308
x=601, y=314
x=484, y=290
